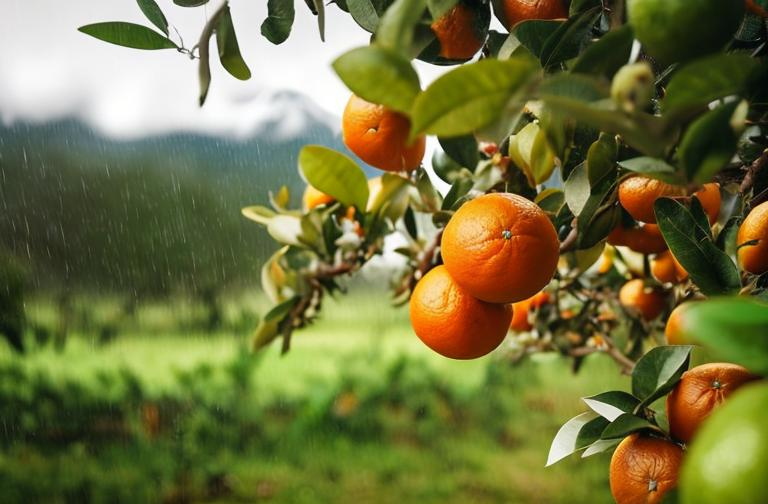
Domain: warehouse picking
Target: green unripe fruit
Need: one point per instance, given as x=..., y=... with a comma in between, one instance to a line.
x=727, y=461
x=632, y=87
x=679, y=30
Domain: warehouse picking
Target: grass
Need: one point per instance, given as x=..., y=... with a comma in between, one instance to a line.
x=431, y=430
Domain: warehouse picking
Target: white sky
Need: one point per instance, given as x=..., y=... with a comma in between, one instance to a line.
x=48, y=69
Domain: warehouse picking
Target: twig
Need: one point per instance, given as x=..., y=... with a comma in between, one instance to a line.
x=570, y=241
x=752, y=171
x=426, y=261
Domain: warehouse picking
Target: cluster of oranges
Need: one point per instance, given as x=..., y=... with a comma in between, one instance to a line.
x=644, y=467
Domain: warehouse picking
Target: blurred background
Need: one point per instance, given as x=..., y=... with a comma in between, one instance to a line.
x=129, y=289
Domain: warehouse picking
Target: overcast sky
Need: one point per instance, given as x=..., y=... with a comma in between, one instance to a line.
x=48, y=69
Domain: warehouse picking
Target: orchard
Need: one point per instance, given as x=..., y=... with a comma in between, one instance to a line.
x=608, y=193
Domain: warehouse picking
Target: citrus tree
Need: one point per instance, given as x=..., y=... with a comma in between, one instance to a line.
x=608, y=194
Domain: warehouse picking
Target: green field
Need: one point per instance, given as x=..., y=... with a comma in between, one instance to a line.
x=358, y=411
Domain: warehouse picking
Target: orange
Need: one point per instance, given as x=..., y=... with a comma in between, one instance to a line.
x=646, y=301
x=638, y=193
x=754, y=258
x=674, y=328
x=522, y=309
x=514, y=11
x=645, y=239
x=643, y=469
x=452, y=322
x=313, y=198
x=455, y=30
x=699, y=391
x=666, y=269
x=500, y=248
x=379, y=136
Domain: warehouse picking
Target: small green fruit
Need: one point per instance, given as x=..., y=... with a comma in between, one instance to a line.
x=633, y=86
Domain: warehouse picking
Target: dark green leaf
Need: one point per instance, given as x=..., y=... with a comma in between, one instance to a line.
x=611, y=405
x=128, y=35
x=735, y=328
x=379, y=76
x=281, y=310
x=533, y=34
x=229, y=50
x=277, y=27
x=652, y=167
x=334, y=174
x=607, y=55
x=320, y=13
x=445, y=167
x=366, y=13
x=709, y=144
x=657, y=372
x=190, y=3
x=439, y=7
x=204, y=47
x=551, y=200
x=566, y=42
x=458, y=190
x=625, y=425
x=396, y=26
x=709, y=267
x=154, y=14
x=462, y=149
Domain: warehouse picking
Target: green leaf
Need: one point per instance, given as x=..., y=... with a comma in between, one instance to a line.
x=153, y=13
x=439, y=7
x=429, y=196
x=534, y=33
x=735, y=328
x=600, y=446
x=658, y=371
x=577, y=189
x=464, y=150
x=128, y=35
x=566, y=42
x=319, y=10
x=601, y=158
x=709, y=143
x=396, y=26
x=550, y=200
x=190, y=3
x=204, y=48
x=458, y=190
x=611, y=405
x=365, y=13
x=530, y=151
x=444, y=166
x=334, y=174
x=607, y=55
x=471, y=96
x=229, y=50
x=379, y=76
x=709, y=267
x=575, y=434
x=653, y=167
x=277, y=27
x=279, y=311
x=707, y=79
x=625, y=425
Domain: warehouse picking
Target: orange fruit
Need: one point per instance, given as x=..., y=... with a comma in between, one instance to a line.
x=645, y=239
x=511, y=12
x=313, y=198
x=647, y=301
x=666, y=269
x=521, y=309
x=674, y=330
x=379, y=136
x=754, y=258
x=643, y=469
x=501, y=248
x=638, y=193
x=452, y=322
x=456, y=31
x=699, y=391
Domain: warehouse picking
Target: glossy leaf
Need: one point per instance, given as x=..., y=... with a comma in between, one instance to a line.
x=280, y=15
x=464, y=150
x=153, y=13
x=128, y=35
x=566, y=42
x=601, y=158
x=334, y=174
x=534, y=33
x=709, y=143
x=204, y=48
x=229, y=50
x=658, y=371
x=365, y=13
x=625, y=425
x=600, y=446
x=607, y=55
x=396, y=26
x=379, y=76
x=190, y=3
x=567, y=441
x=611, y=405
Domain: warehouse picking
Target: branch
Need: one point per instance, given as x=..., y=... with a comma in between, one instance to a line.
x=752, y=171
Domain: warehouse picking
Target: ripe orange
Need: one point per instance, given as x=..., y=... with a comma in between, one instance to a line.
x=456, y=31
x=638, y=193
x=452, y=322
x=647, y=301
x=754, y=258
x=666, y=269
x=511, y=12
x=674, y=328
x=521, y=310
x=501, y=248
x=699, y=391
x=379, y=136
x=643, y=469
x=313, y=198
x=645, y=239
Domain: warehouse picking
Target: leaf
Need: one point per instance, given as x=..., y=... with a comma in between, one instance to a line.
x=285, y=229
x=611, y=405
x=204, y=51
x=652, y=167
x=550, y=200
x=658, y=371
x=626, y=424
x=576, y=433
x=429, y=196
x=599, y=446
x=277, y=27
x=190, y=3
x=334, y=174
x=458, y=190
x=258, y=214
x=364, y=13
x=128, y=35
x=462, y=149
x=393, y=189
x=273, y=276
x=709, y=143
x=279, y=311
x=153, y=13
x=530, y=151
x=379, y=76
x=533, y=34
x=320, y=13
x=471, y=96
x=396, y=26
x=601, y=158
x=709, y=267
x=566, y=42
x=439, y=7
x=707, y=79
x=735, y=328
x=607, y=55
x=229, y=50
x=577, y=189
